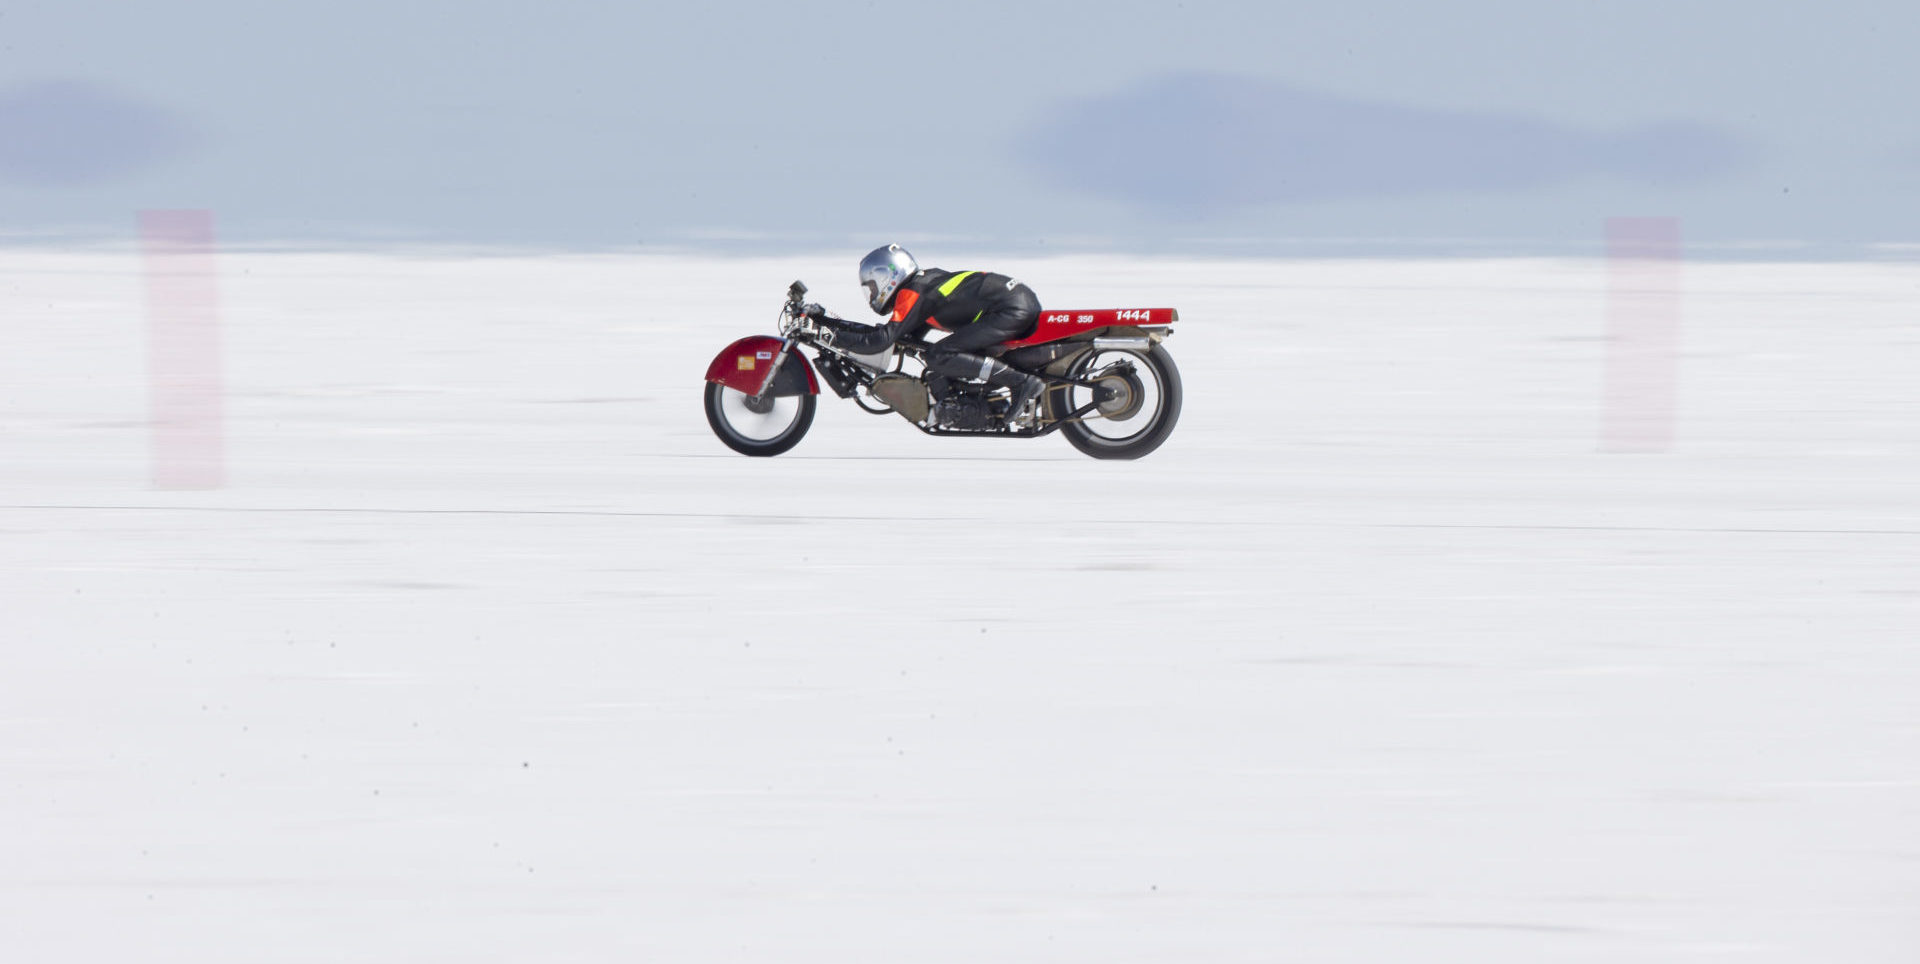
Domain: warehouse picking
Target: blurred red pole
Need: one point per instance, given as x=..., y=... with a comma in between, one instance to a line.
x=1643, y=335
x=183, y=350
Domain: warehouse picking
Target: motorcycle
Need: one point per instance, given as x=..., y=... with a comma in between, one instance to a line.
x=1111, y=388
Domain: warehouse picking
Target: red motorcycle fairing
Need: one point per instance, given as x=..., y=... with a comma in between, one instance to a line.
x=743, y=366
x=1055, y=325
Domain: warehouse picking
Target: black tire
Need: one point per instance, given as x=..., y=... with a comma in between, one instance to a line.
x=1150, y=434
x=719, y=399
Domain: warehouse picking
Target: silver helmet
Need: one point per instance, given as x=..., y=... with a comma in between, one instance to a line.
x=881, y=273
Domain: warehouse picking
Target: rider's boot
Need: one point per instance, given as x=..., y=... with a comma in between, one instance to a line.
x=1022, y=386
x=1024, y=389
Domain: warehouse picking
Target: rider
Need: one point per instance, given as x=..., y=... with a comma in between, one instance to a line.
x=978, y=308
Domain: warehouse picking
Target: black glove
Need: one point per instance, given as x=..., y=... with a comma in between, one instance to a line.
x=812, y=310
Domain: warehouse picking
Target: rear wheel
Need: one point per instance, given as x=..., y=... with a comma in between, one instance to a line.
x=758, y=424
x=1139, y=402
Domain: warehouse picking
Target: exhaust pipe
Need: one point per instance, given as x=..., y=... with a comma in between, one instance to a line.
x=1125, y=344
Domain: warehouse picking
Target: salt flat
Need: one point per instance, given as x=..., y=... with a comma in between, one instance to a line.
x=489, y=651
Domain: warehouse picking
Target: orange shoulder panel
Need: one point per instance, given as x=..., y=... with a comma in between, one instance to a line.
x=903, y=304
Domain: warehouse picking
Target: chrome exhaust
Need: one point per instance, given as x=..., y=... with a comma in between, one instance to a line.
x=1123, y=344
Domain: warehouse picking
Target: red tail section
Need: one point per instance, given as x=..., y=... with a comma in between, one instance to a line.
x=1055, y=325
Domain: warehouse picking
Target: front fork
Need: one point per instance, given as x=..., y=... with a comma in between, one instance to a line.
x=779, y=359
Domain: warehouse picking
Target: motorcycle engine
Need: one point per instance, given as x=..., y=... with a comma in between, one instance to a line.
x=966, y=413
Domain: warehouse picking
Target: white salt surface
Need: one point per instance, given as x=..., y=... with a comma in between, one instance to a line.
x=490, y=652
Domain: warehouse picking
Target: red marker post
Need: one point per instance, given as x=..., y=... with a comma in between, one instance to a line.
x=1643, y=335
x=183, y=350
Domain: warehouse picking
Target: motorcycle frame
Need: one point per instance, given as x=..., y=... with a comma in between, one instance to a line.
x=916, y=349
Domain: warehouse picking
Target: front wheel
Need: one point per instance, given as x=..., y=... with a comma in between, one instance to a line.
x=758, y=424
x=1138, y=407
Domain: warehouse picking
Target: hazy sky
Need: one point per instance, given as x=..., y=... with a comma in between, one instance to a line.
x=1176, y=124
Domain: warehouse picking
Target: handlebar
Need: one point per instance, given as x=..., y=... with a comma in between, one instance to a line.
x=794, y=320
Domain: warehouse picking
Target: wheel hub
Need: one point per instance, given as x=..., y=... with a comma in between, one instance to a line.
x=1119, y=396
x=759, y=404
